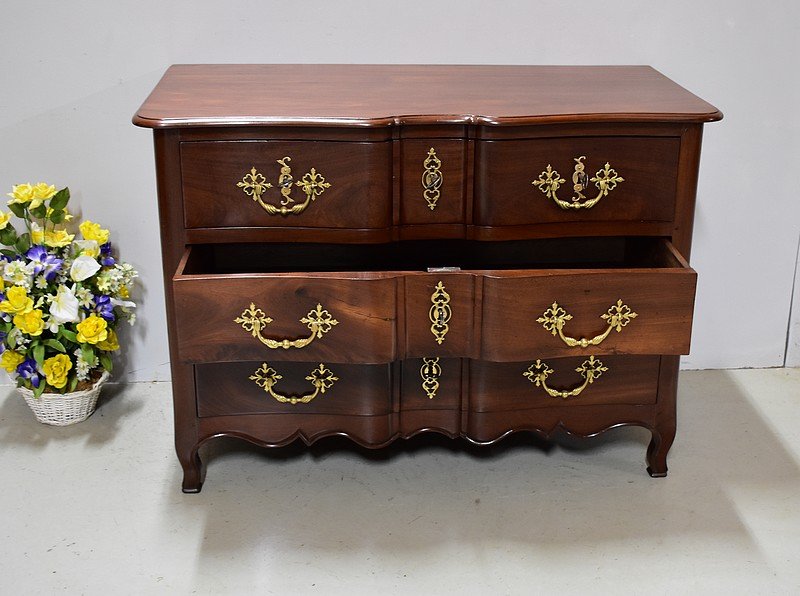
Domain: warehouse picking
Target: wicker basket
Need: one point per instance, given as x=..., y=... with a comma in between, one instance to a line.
x=63, y=409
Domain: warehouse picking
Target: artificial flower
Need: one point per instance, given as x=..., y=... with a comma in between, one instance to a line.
x=11, y=359
x=64, y=307
x=43, y=191
x=92, y=329
x=56, y=370
x=21, y=193
x=30, y=322
x=19, y=273
x=92, y=231
x=37, y=233
x=29, y=371
x=83, y=267
x=17, y=301
x=4, y=219
x=106, y=258
x=104, y=307
x=58, y=238
x=43, y=262
x=111, y=343
x=88, y=247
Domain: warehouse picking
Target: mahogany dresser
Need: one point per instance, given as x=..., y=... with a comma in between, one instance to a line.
x=377, y=251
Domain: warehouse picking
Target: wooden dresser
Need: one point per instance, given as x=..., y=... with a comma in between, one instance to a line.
x=378, y=251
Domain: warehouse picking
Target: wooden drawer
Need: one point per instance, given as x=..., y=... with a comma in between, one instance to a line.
x=293, y=388
x=352, y=184
x=433, y=180
x=511, y=180
x=641, y=305
x=226, y=312
x=517, y=386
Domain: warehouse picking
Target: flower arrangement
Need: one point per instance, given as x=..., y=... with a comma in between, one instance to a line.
x=61, y=299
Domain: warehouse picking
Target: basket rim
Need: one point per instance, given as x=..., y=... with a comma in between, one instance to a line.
x=70, y=394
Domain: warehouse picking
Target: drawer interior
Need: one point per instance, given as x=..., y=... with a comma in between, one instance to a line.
x=465, y=255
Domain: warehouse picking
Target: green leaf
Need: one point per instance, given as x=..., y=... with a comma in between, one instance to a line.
x=88, y=354
x=57, y=216
x=17, y=209
x=37, y=391
x=69, y=335
x=23, y=243
x=60, y=199
x=105, y=361
x=8, y=235
x=8, y=252
x=55, y=344
x=73, y=383
x=38, y=354
x=39, y=211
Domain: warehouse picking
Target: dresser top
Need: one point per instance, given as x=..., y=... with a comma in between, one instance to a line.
x=384, y=95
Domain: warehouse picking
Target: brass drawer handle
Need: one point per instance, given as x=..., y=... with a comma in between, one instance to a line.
x=321, y=379
x=430, y=371
x=440, y=313
x=312, y=184
x=319, y=321
x=617, y=317
x=432, y=179
x=590, y=370
x=605, y=180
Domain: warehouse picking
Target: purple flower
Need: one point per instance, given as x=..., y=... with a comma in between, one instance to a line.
x=44, y=262
x=28, y=370
x=3, y=336
x=103, y=307
x=106, y=260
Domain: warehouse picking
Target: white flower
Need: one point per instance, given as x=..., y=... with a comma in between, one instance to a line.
x=88, y=247
x=85, y=297
x=40, y=283
x=123, y=303
x=82, y=367
x=19, y=273
x=83, y=268
x=64, y=308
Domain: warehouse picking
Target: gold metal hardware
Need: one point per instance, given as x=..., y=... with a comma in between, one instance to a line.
x=432, y=178
x=617, y=317
x=312, y=185
x=430, y=371
x=605, y=180
x=321, y=379
x=590, y=370
x=319, y=321
x=440, y=313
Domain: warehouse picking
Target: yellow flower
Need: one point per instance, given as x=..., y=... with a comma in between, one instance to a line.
x=43, y=191
x=93, y=231
x=67, y=215
x=21, y=193
x=111, y=343
x=57, y=238
x=11, y=360
x=37, y=233
x=4, y=219
x=30, y=322
x=56, y=370
x=92, y=329
x=17, y=301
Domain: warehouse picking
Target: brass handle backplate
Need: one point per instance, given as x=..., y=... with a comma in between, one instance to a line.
x=440, y=313
x=430, y=371
x=321, y=379
x=590, y=370
x=605, y=180
x=554, y=318
x=312, y=185
x=253, y=320
x=432, y=179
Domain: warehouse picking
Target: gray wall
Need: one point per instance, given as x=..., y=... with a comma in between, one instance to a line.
x=73, y=74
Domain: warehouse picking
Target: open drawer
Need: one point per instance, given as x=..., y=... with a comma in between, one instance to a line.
x=499, y=301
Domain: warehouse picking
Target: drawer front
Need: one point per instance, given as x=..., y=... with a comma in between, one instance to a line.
x=585, y=380
x=568, y=312
x=263, y=387
x=224, y=318
x=433, y=181
x=313, y=184
x=431, y=384
x=550, y=180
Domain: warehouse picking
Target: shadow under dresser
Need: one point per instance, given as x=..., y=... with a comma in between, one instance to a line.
x=468, y=250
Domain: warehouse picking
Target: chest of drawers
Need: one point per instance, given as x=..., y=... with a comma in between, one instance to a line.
x=377, y=251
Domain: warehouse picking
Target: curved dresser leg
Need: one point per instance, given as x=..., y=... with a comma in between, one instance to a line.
x=194, y=471
x=664, y=422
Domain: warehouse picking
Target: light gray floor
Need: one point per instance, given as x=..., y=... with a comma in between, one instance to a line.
x=96, y=508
